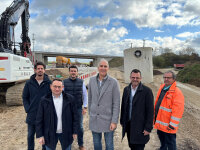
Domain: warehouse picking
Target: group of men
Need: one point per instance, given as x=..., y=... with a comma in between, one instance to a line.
x=55, y=109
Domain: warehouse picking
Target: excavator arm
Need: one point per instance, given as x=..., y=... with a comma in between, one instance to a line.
x=8, y=20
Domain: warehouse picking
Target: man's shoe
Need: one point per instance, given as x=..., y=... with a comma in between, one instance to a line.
x=82, y=148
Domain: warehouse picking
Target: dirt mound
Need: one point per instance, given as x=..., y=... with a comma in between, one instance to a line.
x=62, y=73
x=157, y=72
x=116, y=62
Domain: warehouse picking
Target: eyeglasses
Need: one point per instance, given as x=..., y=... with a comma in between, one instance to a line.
x=55, y=87
x=167, y=77
x=137, y=78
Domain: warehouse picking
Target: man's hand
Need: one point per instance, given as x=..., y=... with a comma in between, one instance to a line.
x=84, y=111
x=146, y=133
x=74, y=136
x=113, y=126
x=41, y=140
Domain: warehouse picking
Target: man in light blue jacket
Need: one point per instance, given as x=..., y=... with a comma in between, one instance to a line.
x=104, y=106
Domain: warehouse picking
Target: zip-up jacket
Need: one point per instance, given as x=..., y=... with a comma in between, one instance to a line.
x=32, y=94
x=170, y=111
x=75, y=88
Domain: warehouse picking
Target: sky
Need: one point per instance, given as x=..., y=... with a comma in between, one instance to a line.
x=107, y=27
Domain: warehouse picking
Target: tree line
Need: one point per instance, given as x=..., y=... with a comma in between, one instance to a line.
x=168, y=58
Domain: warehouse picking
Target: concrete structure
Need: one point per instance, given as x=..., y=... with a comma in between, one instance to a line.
x=43, y=56
x=138, y=58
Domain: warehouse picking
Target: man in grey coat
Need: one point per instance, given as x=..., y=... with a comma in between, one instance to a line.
x=104, y=106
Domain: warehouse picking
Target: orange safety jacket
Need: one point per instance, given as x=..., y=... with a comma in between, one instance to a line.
x=171, y=109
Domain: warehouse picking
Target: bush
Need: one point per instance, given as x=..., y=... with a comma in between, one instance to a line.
x=190, y=74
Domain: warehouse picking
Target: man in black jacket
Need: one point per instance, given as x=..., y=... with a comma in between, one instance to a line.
x=57, y=118
x=75, y=86
x=34, y=89
x=137, y=112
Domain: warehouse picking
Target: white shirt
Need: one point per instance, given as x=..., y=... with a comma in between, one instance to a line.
x=58, y=103
x=85, y=97
x=133, y=91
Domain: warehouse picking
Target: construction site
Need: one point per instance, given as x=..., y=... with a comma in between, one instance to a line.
x=16, y=67
x=13, y=129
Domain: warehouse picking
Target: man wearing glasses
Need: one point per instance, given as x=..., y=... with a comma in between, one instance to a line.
x=57, y=118
x=169, y=107
x=137, y=112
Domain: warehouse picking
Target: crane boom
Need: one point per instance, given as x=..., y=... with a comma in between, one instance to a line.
x=9, y=19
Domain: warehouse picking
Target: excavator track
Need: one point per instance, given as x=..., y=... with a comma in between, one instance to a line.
x=14, y=94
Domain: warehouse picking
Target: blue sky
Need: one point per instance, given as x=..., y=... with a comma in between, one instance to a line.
x=108, y=27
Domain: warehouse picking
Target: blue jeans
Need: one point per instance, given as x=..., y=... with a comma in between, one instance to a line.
x=31, y=136
x=60, y=138
x=167, y=140
x=80, y=131
x=108, y=136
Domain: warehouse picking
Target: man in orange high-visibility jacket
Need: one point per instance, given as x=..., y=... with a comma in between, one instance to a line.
x=168, y=111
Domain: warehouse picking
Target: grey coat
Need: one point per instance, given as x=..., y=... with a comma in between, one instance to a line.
x=103, y=107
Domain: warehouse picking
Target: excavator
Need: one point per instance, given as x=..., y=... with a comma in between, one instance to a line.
x=16, y=66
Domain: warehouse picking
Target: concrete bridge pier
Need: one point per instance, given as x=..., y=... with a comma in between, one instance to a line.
x=97, y=60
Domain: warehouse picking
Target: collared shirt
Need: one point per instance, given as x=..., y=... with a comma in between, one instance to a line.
x=101, y=83
x=58, y=103
x=85, y=97
x=133, y=91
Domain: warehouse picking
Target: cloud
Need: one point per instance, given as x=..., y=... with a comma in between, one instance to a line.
x=4, y=4
x=98, y=27
x=188, y=34
x=159, y=31
x=172, y=43
x=56, y=7
x=142, y=13
x=89, y=21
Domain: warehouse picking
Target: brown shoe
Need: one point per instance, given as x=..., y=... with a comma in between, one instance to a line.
x=82, y=148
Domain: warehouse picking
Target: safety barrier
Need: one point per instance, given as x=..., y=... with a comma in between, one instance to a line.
x=87, y=75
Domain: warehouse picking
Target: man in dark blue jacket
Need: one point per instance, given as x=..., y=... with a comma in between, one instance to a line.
x=34, y=89
x=57, y=118
x=75, y=86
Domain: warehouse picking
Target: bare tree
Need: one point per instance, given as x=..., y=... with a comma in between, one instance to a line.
x=187, y=51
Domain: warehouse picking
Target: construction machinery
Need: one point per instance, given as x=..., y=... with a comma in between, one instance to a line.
x=62, y=62
x=15, y=65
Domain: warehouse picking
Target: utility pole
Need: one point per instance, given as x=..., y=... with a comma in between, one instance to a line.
x=33, y=41
x=143, y=42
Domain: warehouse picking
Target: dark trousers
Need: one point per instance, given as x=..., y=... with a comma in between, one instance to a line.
x=31, y=136
x=133, y=146
x=167, y=140
x=80, y=131
x=59, y=136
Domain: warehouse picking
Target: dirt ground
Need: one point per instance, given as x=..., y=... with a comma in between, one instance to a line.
x=13, y=129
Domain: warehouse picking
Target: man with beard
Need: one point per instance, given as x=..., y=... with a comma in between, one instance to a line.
x=34, y=89
x=137, y=112
x=75, y=86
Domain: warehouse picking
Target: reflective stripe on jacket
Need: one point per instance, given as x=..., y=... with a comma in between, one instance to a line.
x=171, y=109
